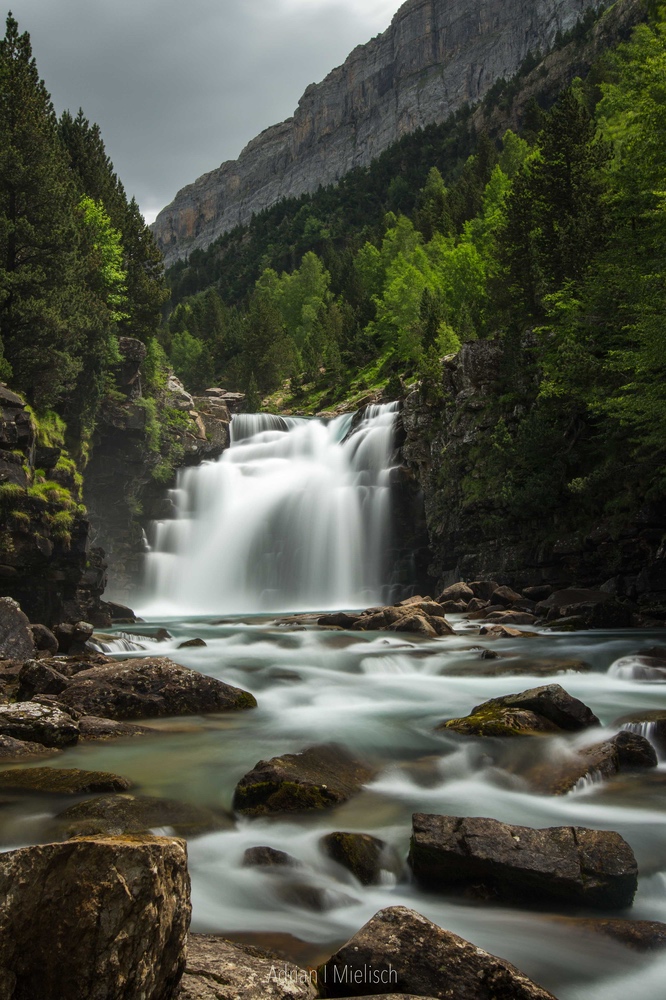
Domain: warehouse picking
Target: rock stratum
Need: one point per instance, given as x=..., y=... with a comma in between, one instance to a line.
x=436, y=56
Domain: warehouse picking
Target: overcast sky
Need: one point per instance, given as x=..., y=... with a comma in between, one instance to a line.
x=179, y=87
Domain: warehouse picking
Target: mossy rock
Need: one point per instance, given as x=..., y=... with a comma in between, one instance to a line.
x=318, y=778
x=498, y=721
x=62, y=781
x=122, y=814
x=364, y=856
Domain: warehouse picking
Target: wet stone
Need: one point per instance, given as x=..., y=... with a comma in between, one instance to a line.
x=61, y=781
x=318, y=778
x=567, y=865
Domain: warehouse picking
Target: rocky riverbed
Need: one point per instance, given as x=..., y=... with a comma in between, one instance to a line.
x=342, y=806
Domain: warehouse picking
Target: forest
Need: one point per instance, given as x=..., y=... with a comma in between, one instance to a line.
x=553, y=240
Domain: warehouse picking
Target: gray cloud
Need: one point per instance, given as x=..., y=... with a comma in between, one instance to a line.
x=176, y=90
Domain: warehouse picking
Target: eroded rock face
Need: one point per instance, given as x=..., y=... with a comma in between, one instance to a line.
x=16, y=638
x=402, y=952
x=37, y=723
x=570, y=865
x=318, y=778
x=148, y=688
x=92, y=919
x=435, y=57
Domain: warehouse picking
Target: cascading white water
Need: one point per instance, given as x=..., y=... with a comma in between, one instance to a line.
x=294, y=515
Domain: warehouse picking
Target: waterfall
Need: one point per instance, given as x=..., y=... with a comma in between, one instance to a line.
x=293, y=516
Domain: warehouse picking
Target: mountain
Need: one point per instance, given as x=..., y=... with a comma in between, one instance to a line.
x=436, y=56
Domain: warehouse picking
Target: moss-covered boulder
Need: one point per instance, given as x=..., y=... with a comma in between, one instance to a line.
x=120, y=814
x=546, y=709
x=319, y=777
x=61, y=781
x=364, y=856
x=149, y=688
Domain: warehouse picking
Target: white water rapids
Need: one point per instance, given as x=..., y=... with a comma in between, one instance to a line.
x=381, y=695
x=294, y=515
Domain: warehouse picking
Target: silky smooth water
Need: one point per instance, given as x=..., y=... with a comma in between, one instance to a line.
x=295, y=514
x=381, y=696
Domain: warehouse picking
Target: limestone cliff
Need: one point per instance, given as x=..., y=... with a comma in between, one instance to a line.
x=436, y=56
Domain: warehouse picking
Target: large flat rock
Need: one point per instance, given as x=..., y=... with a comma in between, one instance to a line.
x=562, y=864
x=34, y=723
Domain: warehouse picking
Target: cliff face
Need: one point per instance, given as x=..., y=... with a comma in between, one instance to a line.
x=436, y=56
x=447, y=446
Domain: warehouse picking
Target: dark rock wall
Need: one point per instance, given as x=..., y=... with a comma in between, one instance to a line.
x=121, y=489
x=447, y=444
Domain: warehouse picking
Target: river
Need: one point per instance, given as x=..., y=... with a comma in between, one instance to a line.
x=381, y=695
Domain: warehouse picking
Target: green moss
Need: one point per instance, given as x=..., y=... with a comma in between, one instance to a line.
x=50, y=428
x=266, y=797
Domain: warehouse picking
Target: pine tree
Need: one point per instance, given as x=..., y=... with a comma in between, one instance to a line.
x=40, y=271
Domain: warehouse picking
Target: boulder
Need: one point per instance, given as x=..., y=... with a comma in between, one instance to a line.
x=339, y=619
x=94, y=919
x=639, y=668
x=483, y=589
x=624, y=752
x=364, y=856
x=16, y=638
x=11, y=749
x=456, y=592
x=62, y=781
x=268, y=857
x=477, y=604
x=37, y=677
x=639, y=935
x=44, y=639
x=35, y=723
x=571, y=865
x=399, y=951
x=112, y=815
x=221, y=970
x=454, y=607
x=497, y=721
x=539, y=593
x=73, y=638
x=418, y=625
x=505, y=596
x=546, y=709
x=650, y=723
x=551, y=702
x=511, y=618
x=148, y=688
x=191, y=643
x=317, y=778
x=506, y=632
x=571, y=597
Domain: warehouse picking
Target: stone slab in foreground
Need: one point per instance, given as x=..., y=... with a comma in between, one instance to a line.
x=94, y=919
x=399, y=951
x=561, y=864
